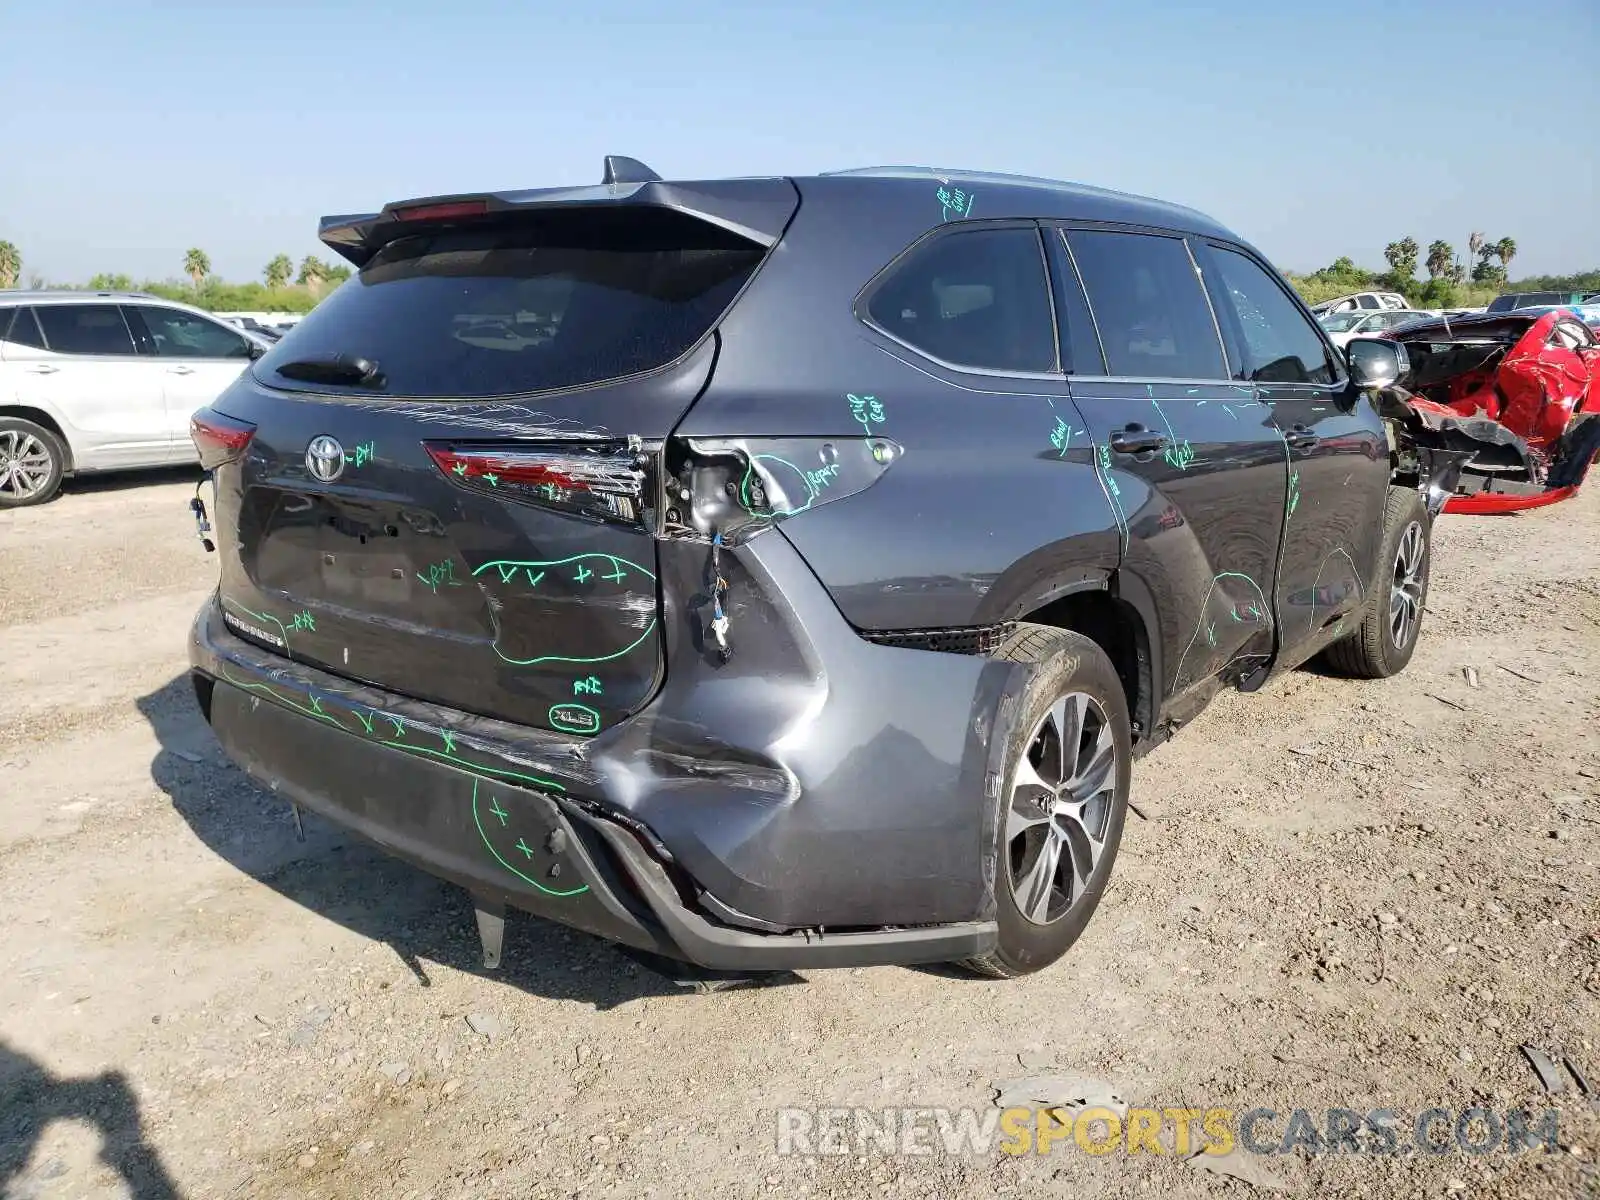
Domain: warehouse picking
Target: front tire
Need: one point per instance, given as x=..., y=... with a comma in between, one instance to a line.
x=32, y=461
x=1064, y=801
x=1391, y=619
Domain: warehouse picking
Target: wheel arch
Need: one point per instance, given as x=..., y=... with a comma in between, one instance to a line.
x=1114, y=610
x=44, y=420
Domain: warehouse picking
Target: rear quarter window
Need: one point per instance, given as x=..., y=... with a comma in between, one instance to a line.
x=528, y=304
x=978, y=298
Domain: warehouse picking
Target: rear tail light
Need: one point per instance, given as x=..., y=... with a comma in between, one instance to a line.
x=219, y=438
x=605, y=482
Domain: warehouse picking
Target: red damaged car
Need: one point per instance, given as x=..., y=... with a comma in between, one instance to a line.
x=1520, y=390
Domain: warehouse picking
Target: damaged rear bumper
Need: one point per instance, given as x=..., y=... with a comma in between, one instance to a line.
x=818, y=801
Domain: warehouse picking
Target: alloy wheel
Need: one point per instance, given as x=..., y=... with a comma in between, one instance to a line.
x=1060, y=808
x=25, y=464
x=1405, y=592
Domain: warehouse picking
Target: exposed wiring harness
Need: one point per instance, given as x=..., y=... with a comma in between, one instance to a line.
x=719, y=593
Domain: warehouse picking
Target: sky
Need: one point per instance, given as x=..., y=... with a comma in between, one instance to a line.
x=129, y=133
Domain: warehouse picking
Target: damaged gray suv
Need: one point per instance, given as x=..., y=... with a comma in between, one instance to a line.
x=781, y=573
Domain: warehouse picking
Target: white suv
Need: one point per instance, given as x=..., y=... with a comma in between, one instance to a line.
x=104, y=381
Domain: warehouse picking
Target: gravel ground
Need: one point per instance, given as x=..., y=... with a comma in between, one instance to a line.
x=1361, y=895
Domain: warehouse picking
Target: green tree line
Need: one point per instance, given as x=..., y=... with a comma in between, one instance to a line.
x=1452, y=281
x=283, y=288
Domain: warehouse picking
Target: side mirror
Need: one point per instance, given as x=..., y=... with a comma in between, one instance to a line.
x=1376, y=362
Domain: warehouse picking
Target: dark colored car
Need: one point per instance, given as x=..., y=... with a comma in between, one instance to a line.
x=786, y=572
x=1511, y=301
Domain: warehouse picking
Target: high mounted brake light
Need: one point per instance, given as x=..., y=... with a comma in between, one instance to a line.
x=443, y=212
x=219, y=438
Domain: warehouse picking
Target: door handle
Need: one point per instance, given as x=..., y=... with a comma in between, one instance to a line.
x=42, y=369
x=180, y=370
x=1136, y=439
x=1301, y=438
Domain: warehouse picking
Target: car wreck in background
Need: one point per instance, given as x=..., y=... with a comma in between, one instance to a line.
x=1519, y=391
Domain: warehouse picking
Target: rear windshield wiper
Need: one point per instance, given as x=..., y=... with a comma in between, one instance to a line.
x=336, y=368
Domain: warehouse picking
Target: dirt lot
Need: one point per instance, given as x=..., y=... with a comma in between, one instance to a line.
x=1363, y=895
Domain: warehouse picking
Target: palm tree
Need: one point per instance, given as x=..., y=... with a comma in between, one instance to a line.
x=1402, y=256
x=278, y=271
x=1440, y=255
x=1475, y=243
x=1505, y=250
x=196, y=266
x=10, y=265
x=312, y=273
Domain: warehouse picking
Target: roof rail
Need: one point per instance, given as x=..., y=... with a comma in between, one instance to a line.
x=620, y=168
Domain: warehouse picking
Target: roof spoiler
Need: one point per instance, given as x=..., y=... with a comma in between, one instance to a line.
x=756, y=209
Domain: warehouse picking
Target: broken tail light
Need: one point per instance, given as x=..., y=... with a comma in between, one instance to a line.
x=602, y=482
x=218, y=437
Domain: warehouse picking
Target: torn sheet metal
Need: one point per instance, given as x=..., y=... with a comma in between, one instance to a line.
x=1517, y=394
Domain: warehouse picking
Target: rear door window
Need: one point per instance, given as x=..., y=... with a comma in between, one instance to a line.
x=1281, y=344
x=979, y=298
x=539, y=302
x=85, y=329
x=177, y=334
x=1151, y=312
x=24, y=329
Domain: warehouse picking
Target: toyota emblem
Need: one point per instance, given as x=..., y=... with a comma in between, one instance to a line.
x=325, y=458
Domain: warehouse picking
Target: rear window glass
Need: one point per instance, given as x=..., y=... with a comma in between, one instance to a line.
x=540, y=302
x=85, y=329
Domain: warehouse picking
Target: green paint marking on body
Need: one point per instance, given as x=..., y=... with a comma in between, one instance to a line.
x=508, y=568
x=478, y=769
x=282, y=628
x=527, y=850
x=583, y=575
x=491, y=479
x=1061, y=437
x=867, y=410
x=449, y=740
x=531, y=882
x=499, y=812
x=575, y=718
x=438, y=574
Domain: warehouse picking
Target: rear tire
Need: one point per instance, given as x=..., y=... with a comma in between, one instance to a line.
x=1071, y=805
x=32, y=462
x=1391, y=618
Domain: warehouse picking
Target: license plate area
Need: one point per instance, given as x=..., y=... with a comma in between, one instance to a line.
x=370, y=557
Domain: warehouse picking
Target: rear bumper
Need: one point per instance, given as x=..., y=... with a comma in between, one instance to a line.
x=817, y=783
